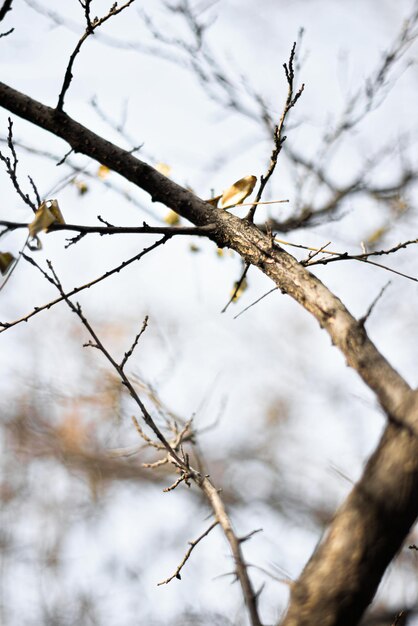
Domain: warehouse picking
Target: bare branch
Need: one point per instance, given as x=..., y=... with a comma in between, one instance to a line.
x=399, y=618
x=181, y=462
x=240, y=565
x=170, y=231
x=236, y=288
x=186, y=557
x=11, y=168
x=121, y=161
x=366, y=316
x=97, y=343
x=5, y=325
x=377, y=507
x=279, y=138
x=134, y=344
x=256, y=302
x=91, y=27
x=7, y=6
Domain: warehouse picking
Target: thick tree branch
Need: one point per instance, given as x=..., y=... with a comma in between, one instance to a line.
x=121, y=161
x=343, y=575
x=5, y=8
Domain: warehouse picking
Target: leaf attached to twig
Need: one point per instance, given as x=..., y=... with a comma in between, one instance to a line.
x=47, y=213
x=237, y=193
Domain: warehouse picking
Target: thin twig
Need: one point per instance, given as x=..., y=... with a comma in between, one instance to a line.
x=237, y=287
x=181, y=463
x=91, y=27
x=144, y=436
x=279, y=138
x=134, y=344
x=97, y=343
x=345, y=256
x=398, y=618
x=200, y=231
x=5, y=325
x=11, y=168
x=15, y=264
x=186, y=557
x=256, y=302
x=366, y=316
x=184, y=478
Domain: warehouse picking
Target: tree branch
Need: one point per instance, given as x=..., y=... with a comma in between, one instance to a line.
x=343, y=575
x=121, y=161
x=90, y=28
x=5, y=325
x=178, y=459
x=7, y=6
x=171, y=231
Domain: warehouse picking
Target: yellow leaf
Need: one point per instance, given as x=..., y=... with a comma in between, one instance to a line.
x=243, y=286
x=237, y=193
x=172, y=218
x=163, y=168
x=82, y=187
x=6, y=260
x=220, y=252
x=377, y=235
x=55, y=210
x=47, y=213
x=103, y=172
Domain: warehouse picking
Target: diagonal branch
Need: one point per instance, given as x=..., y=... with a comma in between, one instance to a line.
x=90, y=28
x=5, y=325
x=344, y=572
x=186, y=557
x=121, y=161
x=5, y=8
x=278, y=136
x=178, y=459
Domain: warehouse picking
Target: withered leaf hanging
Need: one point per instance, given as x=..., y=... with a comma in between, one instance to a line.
x=6, y=260
x=47, y=213
x=237, y=193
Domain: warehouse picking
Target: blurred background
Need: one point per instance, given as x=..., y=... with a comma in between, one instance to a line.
x=282, y=425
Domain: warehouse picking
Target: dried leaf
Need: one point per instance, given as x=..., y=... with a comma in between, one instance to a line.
x=6, y=260
x=82, y=187
x=47, y=213
x=172, y=218
x=163, y=168
x=238, y=192
x=243, y=286
x=377, y=235
x=103, y=172
x=55, y=210
x=194, y=248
